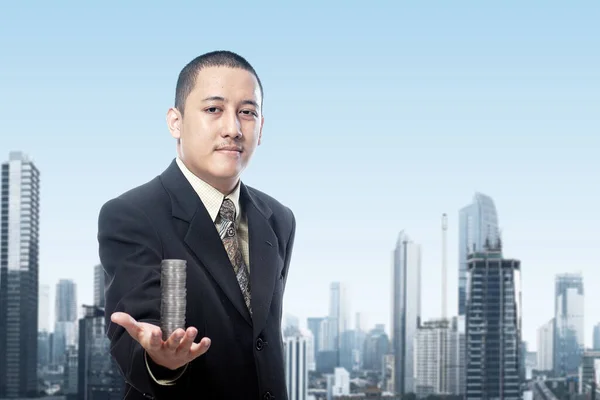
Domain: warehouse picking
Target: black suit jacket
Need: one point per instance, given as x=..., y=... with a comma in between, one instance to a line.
x=165, y=219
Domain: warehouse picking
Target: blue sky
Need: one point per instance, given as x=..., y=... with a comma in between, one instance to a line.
x=396, y=113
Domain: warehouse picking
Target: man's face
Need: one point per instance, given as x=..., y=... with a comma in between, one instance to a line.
x=221, y=125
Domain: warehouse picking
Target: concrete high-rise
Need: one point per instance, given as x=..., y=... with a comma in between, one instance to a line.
x=98, y=375
x=436, y=355
x=296, y=366
x=19, y=272
x=493, y=326
x=406, y=310
x=545, y=347
x=477, y=222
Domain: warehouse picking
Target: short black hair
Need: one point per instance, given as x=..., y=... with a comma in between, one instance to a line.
x=219, y=58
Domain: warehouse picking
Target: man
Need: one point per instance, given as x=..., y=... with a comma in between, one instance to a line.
x=232, y=347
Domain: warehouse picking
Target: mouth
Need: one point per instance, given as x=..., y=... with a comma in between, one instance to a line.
x=230, y=148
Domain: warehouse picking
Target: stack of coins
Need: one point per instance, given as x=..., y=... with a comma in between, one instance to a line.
x=173, y=296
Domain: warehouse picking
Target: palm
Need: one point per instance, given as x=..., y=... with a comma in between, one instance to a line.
x=178, y=350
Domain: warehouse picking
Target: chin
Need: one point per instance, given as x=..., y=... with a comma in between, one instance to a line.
x=231, y=172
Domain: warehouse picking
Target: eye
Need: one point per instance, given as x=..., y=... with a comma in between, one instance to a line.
x=212, y=110
x=250, y=112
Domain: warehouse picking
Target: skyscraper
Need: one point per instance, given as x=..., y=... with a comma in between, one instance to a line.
x=338, y=316
x=19, y=270
x=296, y=366
x=545, y=347
x=65, y=327
x=44, y=309
x=314, y=325
x=477, y=223
x=406, y=310
x=568, y=324
x=436, y=349
x=493, y=325
x=99, y=285
x=596, y=338
x=98, y=375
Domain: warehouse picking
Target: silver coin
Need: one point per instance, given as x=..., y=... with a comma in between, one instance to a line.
x=173, y=282
x=173, y=296
x=174, y=291
x=173, y=300
x=181, y=293
x=174, y=324
x=169, y=261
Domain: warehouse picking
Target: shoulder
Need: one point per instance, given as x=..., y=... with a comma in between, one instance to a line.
x=145, y=198
x=280, y=211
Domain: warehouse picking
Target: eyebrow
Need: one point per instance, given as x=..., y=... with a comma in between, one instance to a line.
x=219, y=98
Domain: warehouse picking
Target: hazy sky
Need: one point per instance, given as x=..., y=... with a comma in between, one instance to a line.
x=396, y=114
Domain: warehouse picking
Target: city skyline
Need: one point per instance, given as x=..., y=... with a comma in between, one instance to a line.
x=415, y=110
x=351, y=310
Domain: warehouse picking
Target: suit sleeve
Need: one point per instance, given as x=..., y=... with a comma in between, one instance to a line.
x=289, y=248
x=131, y=253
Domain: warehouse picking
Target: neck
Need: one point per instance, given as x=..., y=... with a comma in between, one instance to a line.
x=224, y=186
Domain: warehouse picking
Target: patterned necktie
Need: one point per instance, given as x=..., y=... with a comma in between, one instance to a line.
x=228, y=235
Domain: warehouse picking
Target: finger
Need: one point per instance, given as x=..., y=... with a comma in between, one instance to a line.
x=197, y=349
x=175, y=339
x=188, y=339
x=129, y=323
x=153, y=338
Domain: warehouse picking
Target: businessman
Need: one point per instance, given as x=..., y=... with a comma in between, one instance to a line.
x=237, y=242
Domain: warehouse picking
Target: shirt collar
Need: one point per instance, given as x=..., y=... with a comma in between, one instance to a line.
x=211, y=197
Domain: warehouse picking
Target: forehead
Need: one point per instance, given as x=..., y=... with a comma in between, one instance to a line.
x=230, y=83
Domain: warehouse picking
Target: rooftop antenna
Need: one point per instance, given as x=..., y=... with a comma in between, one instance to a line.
x=444, y=266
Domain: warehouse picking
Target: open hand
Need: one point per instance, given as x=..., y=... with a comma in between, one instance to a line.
x=178, y=350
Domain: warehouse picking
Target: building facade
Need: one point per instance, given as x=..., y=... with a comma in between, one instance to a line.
x=406, y=310
x=493, y=326
x=436, y=352
x=568, y=324
x=477, y=222
x=19, y=275
x=296, y=366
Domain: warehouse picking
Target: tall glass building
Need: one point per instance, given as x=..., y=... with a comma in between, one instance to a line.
x=568, y=324
x=19, y=268
x=406, y=310
x=477, y=223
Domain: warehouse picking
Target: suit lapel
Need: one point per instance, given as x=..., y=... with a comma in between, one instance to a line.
x=204, y=241
x=264, y=257
x=202, y=238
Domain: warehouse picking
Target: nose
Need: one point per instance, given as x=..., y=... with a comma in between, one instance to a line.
x=231, y=125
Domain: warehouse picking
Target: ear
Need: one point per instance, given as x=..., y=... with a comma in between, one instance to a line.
x=262, y=123
x=174, y=120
